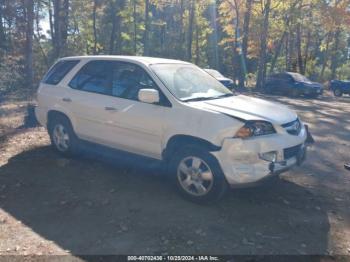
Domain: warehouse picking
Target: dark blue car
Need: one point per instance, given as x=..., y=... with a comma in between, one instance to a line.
x=340, y=87
x=292, y=84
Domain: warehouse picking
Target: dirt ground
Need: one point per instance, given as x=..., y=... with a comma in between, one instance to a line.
x=102, y=204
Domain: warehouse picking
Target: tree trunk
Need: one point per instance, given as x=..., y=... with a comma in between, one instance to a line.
x=57, y=28
x=236, y=54
x=180, y=53
x=37, y=36
x=197, y=44
x=334, y=61
x=325, y=55
x=246, y=24
x=94, y=26
x=286, y=51
x=278, y=51
x=114, y=25
x=213, y=43
x=135, y=26
x=29, y=43
x=118, y=48
x=65, y=23
x=116, y=33
x=299, y=22
x=300, y=56
x=263, y=45
x=146, y=50
x=60, y=25
x=2, y=31
x=52, y=29
x=307, y=47
x=190, y=31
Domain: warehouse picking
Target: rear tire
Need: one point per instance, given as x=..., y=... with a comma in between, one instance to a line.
x=338, y=92
x=197, y=175
x=62, y=136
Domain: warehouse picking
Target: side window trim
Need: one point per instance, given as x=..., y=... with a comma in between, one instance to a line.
x=56, y=67
x=81, y=70
x=165, y=103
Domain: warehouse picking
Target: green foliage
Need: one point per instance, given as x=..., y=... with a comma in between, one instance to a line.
x=11, y=74
x=344, y=71
x=315, y=31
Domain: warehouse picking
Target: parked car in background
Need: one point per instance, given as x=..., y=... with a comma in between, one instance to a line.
x=340, y=87
x=292, y=84
x=172, y=111
x=222, y=79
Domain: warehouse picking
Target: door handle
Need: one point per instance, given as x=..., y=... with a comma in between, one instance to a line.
x=107, y=108
x=66, y=99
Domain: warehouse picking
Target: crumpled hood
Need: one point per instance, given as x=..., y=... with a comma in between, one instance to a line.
x=249, y=108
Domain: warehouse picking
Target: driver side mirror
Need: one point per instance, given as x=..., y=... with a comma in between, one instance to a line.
x=150, y=96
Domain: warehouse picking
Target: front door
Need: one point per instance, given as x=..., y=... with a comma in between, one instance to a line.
x=107, y=110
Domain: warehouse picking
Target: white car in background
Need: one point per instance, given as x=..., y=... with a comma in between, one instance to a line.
x=171, y=111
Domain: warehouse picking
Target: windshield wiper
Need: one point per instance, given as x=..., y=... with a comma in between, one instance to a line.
x=223, y=96
x=200, y=98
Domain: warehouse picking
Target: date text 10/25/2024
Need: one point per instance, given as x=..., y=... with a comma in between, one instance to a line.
x=172, y=258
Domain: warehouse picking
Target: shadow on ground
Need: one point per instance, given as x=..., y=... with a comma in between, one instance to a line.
x=123, y=206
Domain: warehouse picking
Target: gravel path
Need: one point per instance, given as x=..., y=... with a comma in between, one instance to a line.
x=109, y=205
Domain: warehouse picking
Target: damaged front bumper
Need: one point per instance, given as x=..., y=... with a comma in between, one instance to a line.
x=241, y=160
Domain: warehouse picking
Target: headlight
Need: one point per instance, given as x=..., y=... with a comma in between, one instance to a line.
x=269, y=156
x=255, y=128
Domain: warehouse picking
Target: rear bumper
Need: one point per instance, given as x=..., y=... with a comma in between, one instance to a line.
x=242, y=165
x=41, y=115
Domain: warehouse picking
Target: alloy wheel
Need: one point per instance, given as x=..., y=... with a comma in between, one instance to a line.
x=60, y=138
x=195, y=176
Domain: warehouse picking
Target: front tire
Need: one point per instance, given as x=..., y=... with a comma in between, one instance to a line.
x=62, y=136
x=198, y=175
x=337, y=92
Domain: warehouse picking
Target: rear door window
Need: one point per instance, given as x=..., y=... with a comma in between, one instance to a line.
x=95, y=77
x=59, y=71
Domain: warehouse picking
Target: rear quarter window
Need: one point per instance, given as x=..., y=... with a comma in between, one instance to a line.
x=59, y=71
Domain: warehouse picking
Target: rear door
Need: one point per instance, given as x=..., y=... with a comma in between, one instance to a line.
x=284, y=83
x=288, y=83
x=88, y=99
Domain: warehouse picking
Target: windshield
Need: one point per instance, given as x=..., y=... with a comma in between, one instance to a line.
x=300, y=78
x=214, y=73
x=188, y=82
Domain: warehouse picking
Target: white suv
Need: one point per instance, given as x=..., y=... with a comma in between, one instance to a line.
x=172, y=111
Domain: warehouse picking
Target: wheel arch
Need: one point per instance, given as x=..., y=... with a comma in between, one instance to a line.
x=52, y=114
x=176, y=141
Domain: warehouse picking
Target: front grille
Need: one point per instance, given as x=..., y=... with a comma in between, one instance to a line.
x=291, y=152
x=293, y=127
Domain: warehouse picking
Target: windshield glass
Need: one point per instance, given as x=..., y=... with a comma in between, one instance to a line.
x=214, y=73
x=300, y=78
x=189, y=82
